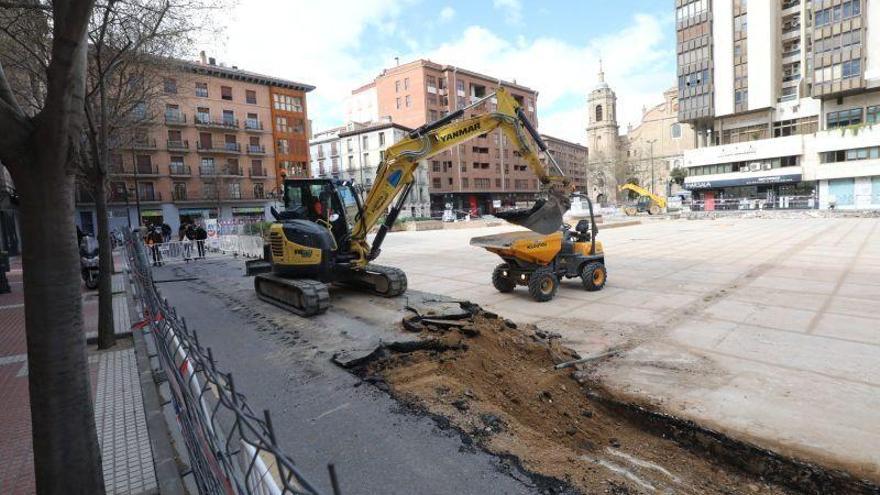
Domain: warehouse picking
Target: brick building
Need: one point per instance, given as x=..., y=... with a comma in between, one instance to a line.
x=572, y=159
x=214, y=148
x=477, y=176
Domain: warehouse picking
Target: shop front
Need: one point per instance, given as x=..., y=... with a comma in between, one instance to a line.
x=781, y=191
x=150, y=217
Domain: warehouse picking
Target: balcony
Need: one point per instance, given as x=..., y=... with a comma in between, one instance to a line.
x=142, y=144
x=142, y=170
x=212, y=196
x=179, y=195
x=231, y=171
x=224, y=148
x=207, y=122
x=179, y=170
x=258, y=172
x=207, y=171
x=256, y=149
x=253, y=125
x=177, y=145
x=175, y=118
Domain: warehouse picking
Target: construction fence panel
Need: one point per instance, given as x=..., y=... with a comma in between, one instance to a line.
x=230, y=448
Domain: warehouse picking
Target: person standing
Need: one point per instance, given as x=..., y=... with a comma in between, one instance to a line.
x=154, y=240
x=201, y=235
x=185, y=241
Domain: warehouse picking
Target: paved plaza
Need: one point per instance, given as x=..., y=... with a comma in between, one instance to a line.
x=767, y=329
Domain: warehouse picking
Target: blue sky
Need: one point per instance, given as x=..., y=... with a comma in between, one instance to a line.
x=551, y=46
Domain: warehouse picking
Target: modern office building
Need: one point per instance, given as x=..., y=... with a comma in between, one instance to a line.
x=478, y=176
x=354, y=152
x=572, y=159
x=784, y=96
x=217, y=147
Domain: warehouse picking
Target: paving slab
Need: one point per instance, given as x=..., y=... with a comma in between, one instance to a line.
x=766, y=329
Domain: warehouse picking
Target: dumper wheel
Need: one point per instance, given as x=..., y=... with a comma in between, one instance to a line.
x=543, y=284
x=593, y=276
x=653, y=209
x=630, y=211
x=501, y=278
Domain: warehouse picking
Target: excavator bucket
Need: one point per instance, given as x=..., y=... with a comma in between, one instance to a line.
x=545, y=217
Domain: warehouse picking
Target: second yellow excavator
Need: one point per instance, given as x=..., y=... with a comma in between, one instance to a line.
x=321, y=236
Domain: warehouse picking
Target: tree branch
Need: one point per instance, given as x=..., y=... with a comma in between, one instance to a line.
x=6, y=94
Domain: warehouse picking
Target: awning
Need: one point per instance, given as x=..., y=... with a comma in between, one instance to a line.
x=744, y=181
x=247, y=209
x=151, y=213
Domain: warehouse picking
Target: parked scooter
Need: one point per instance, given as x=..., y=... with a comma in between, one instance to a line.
x=88, y=261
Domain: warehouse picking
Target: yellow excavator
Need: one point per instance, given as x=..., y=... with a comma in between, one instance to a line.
x=647, y=201
x=321, y=235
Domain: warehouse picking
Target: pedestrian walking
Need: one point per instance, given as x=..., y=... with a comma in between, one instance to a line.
x=201, y=235
x=154, y=241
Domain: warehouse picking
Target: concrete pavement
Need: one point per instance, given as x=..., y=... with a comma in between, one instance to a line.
x=766, y=329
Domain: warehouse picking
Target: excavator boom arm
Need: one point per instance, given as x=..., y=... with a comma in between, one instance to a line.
x=396, y=172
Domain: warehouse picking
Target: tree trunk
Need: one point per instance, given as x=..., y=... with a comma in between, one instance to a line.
x=66, y=454
x=106, y=332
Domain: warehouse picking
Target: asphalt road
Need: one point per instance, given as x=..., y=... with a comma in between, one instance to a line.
x=322, y=414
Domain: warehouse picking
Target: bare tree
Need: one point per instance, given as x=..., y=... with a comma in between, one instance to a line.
x=134, y=44
x=41, y=114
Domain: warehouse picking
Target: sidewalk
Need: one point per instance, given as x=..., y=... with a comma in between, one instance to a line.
x=119, y=411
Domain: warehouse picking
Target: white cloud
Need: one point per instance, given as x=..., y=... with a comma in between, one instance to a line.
x=320, y=51
x=512, y=10
x=447, y=13
x=638, y=70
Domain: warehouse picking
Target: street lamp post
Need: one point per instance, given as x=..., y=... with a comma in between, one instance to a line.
x=651, y=143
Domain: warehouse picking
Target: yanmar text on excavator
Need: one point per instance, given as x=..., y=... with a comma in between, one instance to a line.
x=321, y=236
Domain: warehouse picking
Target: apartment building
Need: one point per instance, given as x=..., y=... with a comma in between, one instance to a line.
x=354, y=151
x=785, y=100
x=479, y=176
x=217, y=146
x=572, y=159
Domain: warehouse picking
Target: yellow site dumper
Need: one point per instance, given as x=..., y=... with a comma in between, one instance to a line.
x=539, y=261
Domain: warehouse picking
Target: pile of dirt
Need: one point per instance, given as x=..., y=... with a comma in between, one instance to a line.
x=497, y=385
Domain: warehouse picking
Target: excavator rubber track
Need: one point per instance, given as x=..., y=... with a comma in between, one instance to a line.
x=386, y=281
x=301, y=296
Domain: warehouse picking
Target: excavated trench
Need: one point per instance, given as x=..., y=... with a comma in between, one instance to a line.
x=497, y=385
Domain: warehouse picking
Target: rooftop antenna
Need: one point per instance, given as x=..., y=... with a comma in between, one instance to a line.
x=397, y=61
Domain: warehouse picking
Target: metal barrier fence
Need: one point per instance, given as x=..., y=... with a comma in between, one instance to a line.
x=250, y=246
x=779, y=203
x=231, y=449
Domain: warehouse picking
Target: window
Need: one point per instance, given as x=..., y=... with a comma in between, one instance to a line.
x=140, y=111
x=843, y=118
x=675, y=130
x=281, y=124
x=203, y=116
x=259, y=192
x=299, y=126
x=873, y=115
x=202, y=90
x=397, y=103
x=405, y=83
x=852, y=68
x=250, y=96
x=449, y=181
x=497, y=182
x=431, y=83
x=287, y=103
x=226, y=93
x=872, y=153
x=365, y=142
x=598, y=113
x=381, y=139
x=435, y=182
x=366, y=160
x=408, y=101
x=283, y=146
x=170, y=86
x=397, y=86
x=465, y=184
x=435, y=166
x=144, y=164
x=229, y=118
